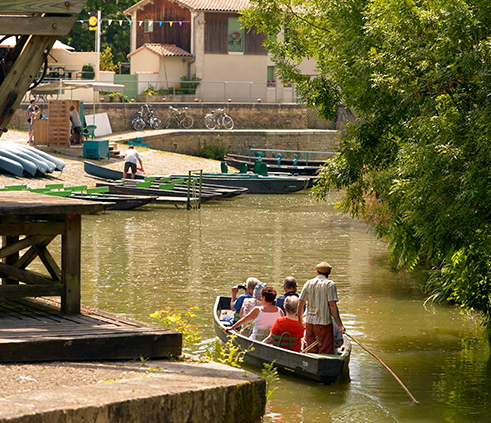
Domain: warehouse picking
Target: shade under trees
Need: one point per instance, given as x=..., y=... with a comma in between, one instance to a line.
x=416, y=164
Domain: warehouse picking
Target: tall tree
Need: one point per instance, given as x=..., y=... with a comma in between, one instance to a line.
x=416, y=162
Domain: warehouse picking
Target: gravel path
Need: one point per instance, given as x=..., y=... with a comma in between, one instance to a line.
x=155, y=162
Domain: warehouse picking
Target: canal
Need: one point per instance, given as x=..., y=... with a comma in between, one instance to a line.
x=134, y=262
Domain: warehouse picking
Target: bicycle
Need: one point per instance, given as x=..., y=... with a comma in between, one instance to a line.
x=180, y=117
x=219, y=118
x=140, y=121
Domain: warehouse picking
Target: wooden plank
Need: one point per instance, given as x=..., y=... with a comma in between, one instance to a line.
x=11, y=258
x=49, y=262
x=22, y=72
x=21, y=245
x=32, y=229
x=25, y=276
x=29, y=256
x=70, y=264
x=37, y=25
x=17, y=291
x=62, y=7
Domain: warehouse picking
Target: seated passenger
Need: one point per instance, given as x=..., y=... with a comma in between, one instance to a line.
x=286, y=331
x=249, y=303
x=290, y=287
x=236, y=303
x=263, y=316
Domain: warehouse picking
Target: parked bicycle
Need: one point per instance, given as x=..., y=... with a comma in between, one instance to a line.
x=219, y=118
x=145, y=117
x=181, y=119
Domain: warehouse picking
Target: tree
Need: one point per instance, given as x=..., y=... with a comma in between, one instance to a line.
x=416, y=163
x=115, y=36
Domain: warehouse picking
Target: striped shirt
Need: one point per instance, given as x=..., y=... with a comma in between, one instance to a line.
x=317, y=293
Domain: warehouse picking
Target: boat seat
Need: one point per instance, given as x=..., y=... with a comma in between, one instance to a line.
x=285, y=340
x=223, y=167
x=97, y=190
x=89, y=131
x=261, y=168
x=242, y=167
x=262, y=334
x=76, y=188
x=168, y=187
x=15, y=187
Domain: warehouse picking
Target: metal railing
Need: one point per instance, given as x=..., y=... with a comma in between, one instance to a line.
x=295, y=152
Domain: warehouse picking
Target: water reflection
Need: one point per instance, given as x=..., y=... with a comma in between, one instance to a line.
x=133, y=262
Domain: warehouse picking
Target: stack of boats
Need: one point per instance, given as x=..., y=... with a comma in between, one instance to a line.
x=222, y=184
x=21, y=160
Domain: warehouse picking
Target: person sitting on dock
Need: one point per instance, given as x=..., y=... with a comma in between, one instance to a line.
x=130, y=158
x=290, y=287
x=286, y=332
x=321, y=297
x=263, y=316
x=236, y=303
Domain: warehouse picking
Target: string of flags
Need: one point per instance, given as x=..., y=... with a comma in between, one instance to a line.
x=130, y=22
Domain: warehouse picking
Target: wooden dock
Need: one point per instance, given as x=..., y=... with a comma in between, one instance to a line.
x=35, y=330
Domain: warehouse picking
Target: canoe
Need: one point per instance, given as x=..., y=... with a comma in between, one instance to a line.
x=320, y=368
x=256, y=184
x=117, y=202
x=28, y=165
x=104, y=172
x=11, y=166
x=274, y=168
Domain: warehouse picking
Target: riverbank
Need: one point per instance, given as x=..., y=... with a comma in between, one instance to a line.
x=154, y=162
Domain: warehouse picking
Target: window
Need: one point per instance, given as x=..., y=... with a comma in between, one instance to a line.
x=235, y=36
x=271, y=80
x=148, y=25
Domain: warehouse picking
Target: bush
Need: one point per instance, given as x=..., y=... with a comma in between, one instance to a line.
x=215, y=150
x=88, y=72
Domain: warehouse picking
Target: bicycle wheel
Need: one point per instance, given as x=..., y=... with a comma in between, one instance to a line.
x=138, y=124
x=168, y=122
x=187, y=122
x=155, y=122
x=227, y=122
x=210, y=121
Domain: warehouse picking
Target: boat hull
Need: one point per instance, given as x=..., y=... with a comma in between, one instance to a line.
x=274, y=168
x=320, y=368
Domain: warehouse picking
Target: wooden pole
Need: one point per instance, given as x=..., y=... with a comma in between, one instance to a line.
x=383, y=364
x=312, y=345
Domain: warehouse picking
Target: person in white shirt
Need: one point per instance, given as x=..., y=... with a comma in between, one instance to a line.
x=130, y=158
x=321, y=297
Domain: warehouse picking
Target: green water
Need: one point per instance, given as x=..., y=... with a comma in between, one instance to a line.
x=133, y=262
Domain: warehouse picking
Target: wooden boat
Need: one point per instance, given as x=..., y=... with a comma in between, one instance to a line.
x=273, y=167
x=104, y=172
x=274, y=160
x=321, y=368
x=115, y=202
x=256, y=184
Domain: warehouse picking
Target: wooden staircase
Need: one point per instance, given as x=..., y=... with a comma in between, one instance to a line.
x=113, y=151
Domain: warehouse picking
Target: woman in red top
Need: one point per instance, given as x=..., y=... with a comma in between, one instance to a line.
x=288, y=324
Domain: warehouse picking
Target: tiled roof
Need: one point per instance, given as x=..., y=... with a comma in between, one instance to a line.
x=164, y=50
x=214, y=5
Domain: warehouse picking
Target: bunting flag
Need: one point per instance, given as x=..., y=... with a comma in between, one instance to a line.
x=110, y=21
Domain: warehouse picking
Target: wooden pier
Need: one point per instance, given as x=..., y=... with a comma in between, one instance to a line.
x=59, y=328
x=34, y=330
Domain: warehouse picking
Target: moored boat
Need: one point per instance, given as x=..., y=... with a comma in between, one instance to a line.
x=116, y=202
x=273, y=167
x=321, y=368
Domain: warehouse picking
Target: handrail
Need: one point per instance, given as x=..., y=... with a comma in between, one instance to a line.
x=275, y=150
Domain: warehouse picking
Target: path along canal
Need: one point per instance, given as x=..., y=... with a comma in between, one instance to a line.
x=133, y=262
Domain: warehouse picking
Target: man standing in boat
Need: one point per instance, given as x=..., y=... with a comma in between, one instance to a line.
x=130, y=158
x=321, y=297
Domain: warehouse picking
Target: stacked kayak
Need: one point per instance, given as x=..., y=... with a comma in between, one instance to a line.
x=21, y=160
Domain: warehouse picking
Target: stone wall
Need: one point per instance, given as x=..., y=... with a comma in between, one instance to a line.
x=240, y=141
x=245, y=116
